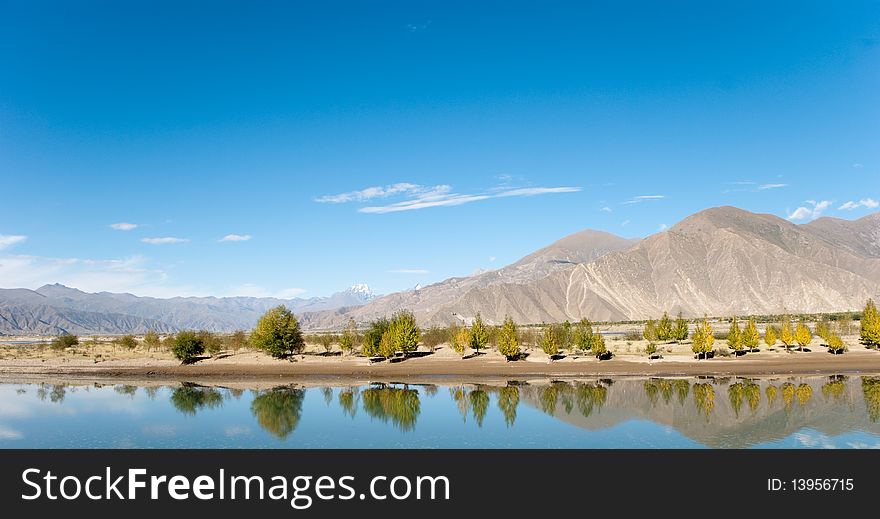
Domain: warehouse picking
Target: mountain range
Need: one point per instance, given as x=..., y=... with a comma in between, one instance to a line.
x=720, y=261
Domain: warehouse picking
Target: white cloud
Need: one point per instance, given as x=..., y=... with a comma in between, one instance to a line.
x=809, y=213
x=422, y=197
x=410, y=271
x=236, y=237
x=662, y=227
x=624, y=223
x=253, y=290
x=492, y=259
x=858, y=166
x=7, y=240
x=742, y=183
x=164, y=240
x=870, y=203
x=605, y=209
x=764, y=187
x=123, y=226
x=7, y=433
x=643, y=198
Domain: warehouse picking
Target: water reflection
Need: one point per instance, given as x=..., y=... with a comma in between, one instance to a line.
x=730, y=412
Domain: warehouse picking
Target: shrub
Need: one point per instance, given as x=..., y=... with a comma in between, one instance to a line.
x=277, y=333
x=373, y=337
x=127, y=341
x=633, y=335
x=651, y=349
x=151, y=340
x=835, y=344
x=237, y=340
x=405, y=334
x=187, y=346
x=65, y=340
x=211, y=342
x=598, y=347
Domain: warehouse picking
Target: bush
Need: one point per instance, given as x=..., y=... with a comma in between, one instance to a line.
x=633, y=335
x=237, y=340
x=835, y=344
x=127, y=341
x=434, y=336
x=405, y=334
x=651, y=349
x=277, y=333
x=65, y=340
x=373, y=337
x=212, y=344
x=151, y=340
x=187, y=346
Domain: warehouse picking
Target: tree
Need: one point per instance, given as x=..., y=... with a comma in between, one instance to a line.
x=65, y=340
x=802, y=335
x=346, y=341
x=405, y=334
x=664, y=328
x=869, y=325
x=734, y=336
x=479, y=334
x=583, y=335
x=650, y=349
x=703, y=339
x=213, y=345
x=434, y=336
x=823, y=328
x=373, y=336
x=277, y=333
x=650, y=332
x=461, y=339
x=151, y=340
x=680, y=332
x=550, y=342
x=326, y=340
x=187, y=346
x=386, y=345
x=835, y=344
x=770, y=336
x=785, y=333
x=237, y=340
x=750, y=336
x=563, y=333
x=128, y=341
x=508, y=341
x=598, y=347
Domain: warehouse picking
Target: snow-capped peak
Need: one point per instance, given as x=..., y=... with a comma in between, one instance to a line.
x=362, y=290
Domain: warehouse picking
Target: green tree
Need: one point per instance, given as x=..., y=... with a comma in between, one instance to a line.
x=277, y=333
x=479, y=405
x=479, y=334
x=508, y=401
x=750, y=335
x=550, y=342
x=508, y=340
x=387, y=345
x=651, y=349
x=189, y=398
x=680, y=332
x=151, y=340
x=434, y=336
x=770, y=336
x=703, y=339
x=279, y=410
x=564, y=334
x=65, y=340
x=734, y=336
x=650, y=332
x=785, y=332
x=583, y=335
x=211, y=342
x=802, y=335
x=664, y=328
x=347, y=340
x=127, y=342
x=869, y=325
x=598, y=347
x=405, y=334
x=373, y=337
x=187, y=346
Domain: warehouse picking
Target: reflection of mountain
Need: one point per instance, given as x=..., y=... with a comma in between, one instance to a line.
x=723, y=413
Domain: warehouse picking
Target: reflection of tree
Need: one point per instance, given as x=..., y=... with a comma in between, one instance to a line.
x=804, y=393
x=328, y=395
x=479, y=405
x=788, y=390
x=459, y=394
x=682, y=388
x=549, y=396
x=590, y=397
x=151, y=392
x=54, y=392
x=871, y=390
x=835, y=389
x=348, y=400
x=189, y=398
x=430, y=390
x=126, y=390
x=753, y=395
x=665, y=386
x=278, y=410
x=704, y=398
x=400, y=405
x=771, y=392
x=236, y=393
x=508, y=401
x=653, y=391
x=736, y=393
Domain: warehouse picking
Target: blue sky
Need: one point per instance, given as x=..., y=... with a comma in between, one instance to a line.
x=402, y=143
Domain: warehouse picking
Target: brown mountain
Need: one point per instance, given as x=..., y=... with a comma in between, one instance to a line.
x=719, y=261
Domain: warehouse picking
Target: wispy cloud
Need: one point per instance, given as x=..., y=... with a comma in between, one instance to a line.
x=492, y=259
x=8, y=240
x=624, y=223
x=869, y=203
x=253, y=290
x=858, y=165
x=123, y=226
x=422, y=197
x=662, y=227
x=643, y=198
x=605, y=209
x=764, y=187
x=809, y=213
x=410, y=271
x=165, y=240
x=236, y=237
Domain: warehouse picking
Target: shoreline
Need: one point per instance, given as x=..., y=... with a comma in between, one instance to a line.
x=484, y=366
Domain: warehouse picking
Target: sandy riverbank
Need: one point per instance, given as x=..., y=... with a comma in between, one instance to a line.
x=106, y=360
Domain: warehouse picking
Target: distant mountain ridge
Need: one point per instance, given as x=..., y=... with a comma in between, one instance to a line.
x=54, y=309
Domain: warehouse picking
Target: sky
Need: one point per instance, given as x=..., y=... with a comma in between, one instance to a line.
x=294, y=149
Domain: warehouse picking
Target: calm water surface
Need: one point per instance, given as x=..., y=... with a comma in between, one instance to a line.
x=788, y=412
